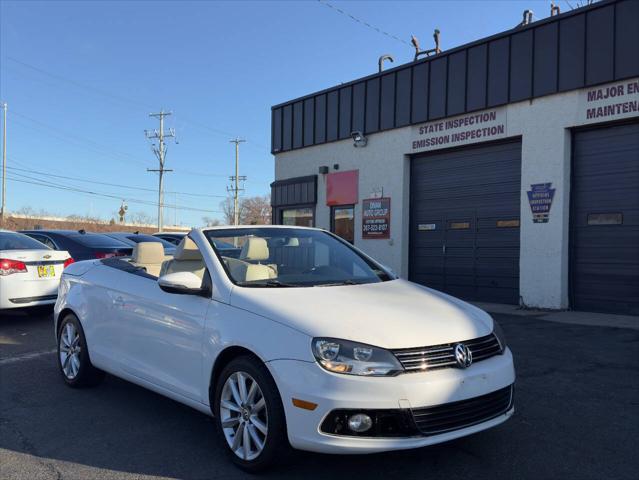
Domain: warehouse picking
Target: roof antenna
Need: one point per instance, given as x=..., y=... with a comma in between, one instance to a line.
x=554, y=9
x=380, y=61
x=419, y=53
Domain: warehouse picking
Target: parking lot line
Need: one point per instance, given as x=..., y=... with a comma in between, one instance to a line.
x=26, y=356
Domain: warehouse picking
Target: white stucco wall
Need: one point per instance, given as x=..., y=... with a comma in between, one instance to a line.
x=544, y=126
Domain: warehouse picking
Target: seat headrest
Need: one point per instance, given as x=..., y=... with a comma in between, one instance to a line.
x=187, y=250
x=293, y=242
x=148, y=252
x=255, y=248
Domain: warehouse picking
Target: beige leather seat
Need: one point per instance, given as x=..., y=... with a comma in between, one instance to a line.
x=254, y=251
x=148, y=255
x=187, y=258
x=242, y=271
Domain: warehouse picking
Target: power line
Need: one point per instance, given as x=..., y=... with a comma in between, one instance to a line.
x=39, y=172
x=106, y=195
x=362, y=22
x=67, y=141
x=40, y=181
x=78, y=84
x=200, y=174
x=120, y=98
x=104, y=150
x=109, y=154
x=95, y=145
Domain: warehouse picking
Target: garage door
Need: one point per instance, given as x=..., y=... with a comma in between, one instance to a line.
x=605, y=220
x=464, y=227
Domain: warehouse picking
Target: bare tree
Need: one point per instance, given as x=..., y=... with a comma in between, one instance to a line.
x=256, y=210
x=253, y=210
x=227, y=210
x=26, y=210
x=141, y=218
x=74, y=217
x=211, y=222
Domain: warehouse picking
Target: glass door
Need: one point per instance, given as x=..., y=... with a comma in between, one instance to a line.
x=343, y=222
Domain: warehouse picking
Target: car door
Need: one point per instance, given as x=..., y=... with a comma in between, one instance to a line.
x=159, y=334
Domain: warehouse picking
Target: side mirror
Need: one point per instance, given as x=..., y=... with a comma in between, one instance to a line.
x=184, y=283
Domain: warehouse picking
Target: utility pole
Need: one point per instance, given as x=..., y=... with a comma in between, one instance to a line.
x=4, y=162
x=235, y=188
x=160, y=153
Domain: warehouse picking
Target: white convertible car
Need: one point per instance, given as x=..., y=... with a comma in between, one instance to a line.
x=300, y=339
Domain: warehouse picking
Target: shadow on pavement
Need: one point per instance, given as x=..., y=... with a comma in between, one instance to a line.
x=576, y=402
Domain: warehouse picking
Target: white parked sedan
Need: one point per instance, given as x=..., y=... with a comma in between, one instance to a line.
x=29, y=271
x=301, y=339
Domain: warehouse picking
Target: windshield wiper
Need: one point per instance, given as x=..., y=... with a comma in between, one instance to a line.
x=337, y=284
x=268, y=283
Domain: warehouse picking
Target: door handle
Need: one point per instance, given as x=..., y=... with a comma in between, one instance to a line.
x=118, y=302
x=444, y=249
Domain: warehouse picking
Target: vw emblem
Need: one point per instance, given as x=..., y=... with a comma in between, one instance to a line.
x=463, y=356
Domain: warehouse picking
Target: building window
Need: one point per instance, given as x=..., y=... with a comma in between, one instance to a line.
x=298, y=217
x=343, y=222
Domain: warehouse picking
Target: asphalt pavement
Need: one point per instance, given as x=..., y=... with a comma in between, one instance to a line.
x=577, y=417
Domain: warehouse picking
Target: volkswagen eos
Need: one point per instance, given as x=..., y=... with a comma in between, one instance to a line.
x=299, y=340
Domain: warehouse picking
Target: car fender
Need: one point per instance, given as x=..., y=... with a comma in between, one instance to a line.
x=228, y=326
x=71, y=297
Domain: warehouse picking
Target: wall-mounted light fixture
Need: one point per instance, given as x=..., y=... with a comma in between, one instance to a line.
x=359, y=140
x=323, y=169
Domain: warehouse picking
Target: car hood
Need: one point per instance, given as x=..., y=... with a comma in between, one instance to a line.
x=392, y=314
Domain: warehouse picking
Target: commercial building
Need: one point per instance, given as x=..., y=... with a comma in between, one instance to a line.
x=505, y=170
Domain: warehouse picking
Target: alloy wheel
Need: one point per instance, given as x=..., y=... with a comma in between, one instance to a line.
x=70, y=351
x=243, y=415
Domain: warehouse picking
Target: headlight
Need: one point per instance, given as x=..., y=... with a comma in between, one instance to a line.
x=352, y=358
x=499, y=333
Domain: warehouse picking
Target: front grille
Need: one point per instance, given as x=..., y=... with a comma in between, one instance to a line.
x=464, y=413
x=442, y=356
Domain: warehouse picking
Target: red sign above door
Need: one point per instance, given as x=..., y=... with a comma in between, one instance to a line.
x=342, y=188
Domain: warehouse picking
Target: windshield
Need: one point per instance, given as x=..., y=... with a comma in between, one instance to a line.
x=291, y=257
x=18, y=241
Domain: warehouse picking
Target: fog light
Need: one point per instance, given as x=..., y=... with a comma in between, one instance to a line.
x=360, y=422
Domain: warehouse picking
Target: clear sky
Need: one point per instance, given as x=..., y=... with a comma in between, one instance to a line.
x=80, y=79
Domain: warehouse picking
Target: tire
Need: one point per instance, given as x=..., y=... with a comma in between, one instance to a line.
x=73, y=355
x=250, y=418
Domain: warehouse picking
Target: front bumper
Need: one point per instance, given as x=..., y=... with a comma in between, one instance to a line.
x=308, y=381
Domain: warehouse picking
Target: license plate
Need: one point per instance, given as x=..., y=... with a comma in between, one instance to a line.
x=45, y=271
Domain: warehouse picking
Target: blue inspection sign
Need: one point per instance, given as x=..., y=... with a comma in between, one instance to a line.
x=540, y=198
